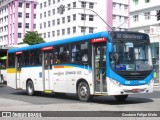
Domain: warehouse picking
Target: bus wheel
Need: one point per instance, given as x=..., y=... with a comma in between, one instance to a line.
x=30, y=88
x=121, y=97
x=83, y=92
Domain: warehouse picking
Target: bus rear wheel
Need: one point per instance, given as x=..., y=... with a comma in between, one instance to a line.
x=83, y=92
x=30, y=88
x=121, y=97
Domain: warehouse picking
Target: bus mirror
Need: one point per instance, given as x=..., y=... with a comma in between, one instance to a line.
x=110, y=47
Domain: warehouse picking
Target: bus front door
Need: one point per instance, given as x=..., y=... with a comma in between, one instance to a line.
x=18, y=64
x=99, y=67
x=47, y=67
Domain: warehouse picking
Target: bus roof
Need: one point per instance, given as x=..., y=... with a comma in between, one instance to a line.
x=63, y=41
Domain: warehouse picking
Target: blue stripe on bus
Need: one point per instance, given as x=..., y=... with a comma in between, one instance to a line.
x=63, y=41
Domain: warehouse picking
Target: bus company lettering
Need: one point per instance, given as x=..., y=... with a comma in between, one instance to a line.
x=70, y=72
x=59, y=73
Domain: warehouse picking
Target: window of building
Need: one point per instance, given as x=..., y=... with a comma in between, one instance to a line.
x=49, y=24
x=83, y=29
x=20, y=4
x=58, y=32
x=34, y=16
x=41, y=16
x=44, y=14
x=147, y=15
x=35, y=6
x=63, y=19
x=126, y=7
x=74, y=17
x=19, y=35
x=34, y=26
x=114, y=17
x=48, y=34
x=27, y=5
x=135, y=18
x=41, y=6
x=44, y=24
x=53, y=22
x=53, y=10
x=68, y=30
x=91, y=29
x=68, y=18
x=49, y=13
x=74, y=29
x=19, y=25
x=83, y=16
x=147, y=1
x=63, y=31
x=53, y=1
x=19, y=14
x=69, y=6
x=40, y=25
x=45, y=4
x=53, y=33
x=58, y=21
x=83, y=4
x=49, y=2
x=91, y=5
x=44, y=35
x=58, y=0
x=114, y=5
x=91, y=17
x=74, y=4
x=27, y=15
x=27, y=25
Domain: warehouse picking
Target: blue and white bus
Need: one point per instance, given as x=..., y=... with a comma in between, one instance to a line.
x=116, y=63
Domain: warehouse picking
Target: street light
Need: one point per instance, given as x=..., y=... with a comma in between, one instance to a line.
x=61, y=9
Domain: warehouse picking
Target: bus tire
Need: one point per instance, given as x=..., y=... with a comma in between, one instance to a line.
x=83, y=92
x=121, y=97
x=30, y=88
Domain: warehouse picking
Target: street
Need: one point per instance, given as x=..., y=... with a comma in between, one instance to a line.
x=18, y=100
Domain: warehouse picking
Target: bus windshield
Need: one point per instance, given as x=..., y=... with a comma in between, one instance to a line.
x=130, y=56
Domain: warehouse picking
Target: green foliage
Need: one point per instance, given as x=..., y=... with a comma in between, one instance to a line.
x=32, y=38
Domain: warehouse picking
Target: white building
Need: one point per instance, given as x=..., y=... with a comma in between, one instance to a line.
x=16, y=18
x=144, y=17
x=73, y=22
x=19, y=16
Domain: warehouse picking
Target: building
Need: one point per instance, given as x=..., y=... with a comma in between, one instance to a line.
x=19, y=16
x=76, y=20
x=16, y=18
x=145, y=20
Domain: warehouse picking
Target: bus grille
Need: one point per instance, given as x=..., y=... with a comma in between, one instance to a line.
x=134, y=75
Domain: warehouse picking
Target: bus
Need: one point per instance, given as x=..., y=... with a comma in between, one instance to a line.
x=116, y=63
x=3, y=59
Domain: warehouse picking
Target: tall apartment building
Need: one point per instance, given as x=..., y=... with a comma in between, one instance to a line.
x=19, y=16
x=78, y=21
x=144, y=16
x=16, y=18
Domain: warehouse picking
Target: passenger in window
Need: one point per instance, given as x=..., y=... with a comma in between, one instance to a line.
x=57, y=60
x=85, y=57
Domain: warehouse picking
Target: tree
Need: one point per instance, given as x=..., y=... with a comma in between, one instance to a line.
x=32, y=38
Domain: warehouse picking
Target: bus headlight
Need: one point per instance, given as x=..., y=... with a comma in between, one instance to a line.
x=115, y=82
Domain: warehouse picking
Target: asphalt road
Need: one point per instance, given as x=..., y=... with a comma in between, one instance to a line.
x=18, y=100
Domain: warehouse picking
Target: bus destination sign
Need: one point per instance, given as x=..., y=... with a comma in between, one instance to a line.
x=123, y=35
